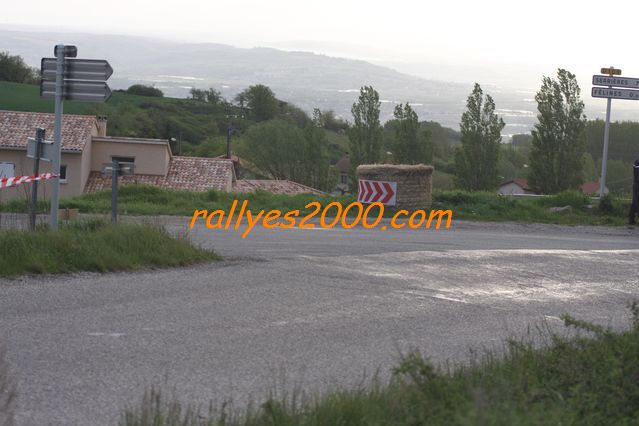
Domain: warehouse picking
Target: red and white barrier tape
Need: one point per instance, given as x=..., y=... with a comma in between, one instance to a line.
x=19, y=180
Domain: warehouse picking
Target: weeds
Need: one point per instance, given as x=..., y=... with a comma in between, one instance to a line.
x=585, y=380
x=95, y=245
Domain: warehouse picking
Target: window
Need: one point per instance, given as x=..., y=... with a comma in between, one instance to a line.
x=130, y=160
x=63, y=173
x=344, y=178
x=7, y=170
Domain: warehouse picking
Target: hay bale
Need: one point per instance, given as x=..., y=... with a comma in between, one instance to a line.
x=414, y=182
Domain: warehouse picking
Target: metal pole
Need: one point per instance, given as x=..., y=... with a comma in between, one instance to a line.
x=34, y=186
x=604, y=158
x=229, y=130
x=115, y=170
x=57, y=135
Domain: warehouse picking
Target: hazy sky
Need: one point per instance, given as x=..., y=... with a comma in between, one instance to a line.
x=538, y=35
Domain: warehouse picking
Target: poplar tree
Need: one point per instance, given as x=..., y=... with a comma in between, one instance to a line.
x=559, y=143
x=365, y=135
x=477, y=159
x=411, y=145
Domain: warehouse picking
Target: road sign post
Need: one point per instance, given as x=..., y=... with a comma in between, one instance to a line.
x=116, y=169
x=64, y=78
x=57, y=134
x=614, y=82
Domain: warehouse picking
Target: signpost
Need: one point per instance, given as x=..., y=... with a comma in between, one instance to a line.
x=611, y=92
x=77, y=69
x=115, y=169
x=65, y=78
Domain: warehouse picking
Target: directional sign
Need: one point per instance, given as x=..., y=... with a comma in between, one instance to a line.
x=46, y=149
x=603, y=92
x=123, y=169
x=606, y=80
x=611, y=71
x=77, y=69
x=77, y=90
x=371, y=191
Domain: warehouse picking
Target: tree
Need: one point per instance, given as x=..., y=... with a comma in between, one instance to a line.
x=276, y=148
x=144, y=90
x=476, y=161
x=410, y=145
x=316, y=155
x=260, y=101
x=13, y=69
x=211, y=95
x=556, y=154
x=365, y=135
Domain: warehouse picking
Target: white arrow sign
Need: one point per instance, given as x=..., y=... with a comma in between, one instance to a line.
x=615, y=81
x=602, y=92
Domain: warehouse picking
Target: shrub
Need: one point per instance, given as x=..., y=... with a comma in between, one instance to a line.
x=143, y=90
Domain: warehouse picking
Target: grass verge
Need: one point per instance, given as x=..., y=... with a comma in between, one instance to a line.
x=479, y=206
x=95, y=246
x=589, y=379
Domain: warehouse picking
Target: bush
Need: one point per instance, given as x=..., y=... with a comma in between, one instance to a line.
x=143, y=90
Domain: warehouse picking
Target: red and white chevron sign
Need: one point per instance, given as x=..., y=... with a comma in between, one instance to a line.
x=19, y=180
x=371, y=191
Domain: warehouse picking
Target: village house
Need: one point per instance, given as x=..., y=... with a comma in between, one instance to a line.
x=515, y=187
x=520, y=187
x=86, y=148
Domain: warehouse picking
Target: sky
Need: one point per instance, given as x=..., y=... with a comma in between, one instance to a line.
x=504, y=37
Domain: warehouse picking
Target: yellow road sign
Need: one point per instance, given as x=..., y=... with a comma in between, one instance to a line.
x=611, y=71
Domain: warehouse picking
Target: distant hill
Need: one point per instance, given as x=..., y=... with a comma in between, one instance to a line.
x=307, y=80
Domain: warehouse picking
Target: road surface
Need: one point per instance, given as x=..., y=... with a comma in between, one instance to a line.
x=300, y=308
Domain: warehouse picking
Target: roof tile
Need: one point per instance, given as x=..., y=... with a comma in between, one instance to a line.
x=16, y=127
x=185, y=173
x=285, y=187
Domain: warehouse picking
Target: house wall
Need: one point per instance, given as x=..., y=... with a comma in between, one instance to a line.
x=151, y=158
x=511, y=189
x=24, y=167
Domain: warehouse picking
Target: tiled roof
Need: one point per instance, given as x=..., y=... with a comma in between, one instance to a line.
x=185, y=173
x=344, y=163
x=16, y=127
x=592, y=188
x=522, y=183
x=274, y=186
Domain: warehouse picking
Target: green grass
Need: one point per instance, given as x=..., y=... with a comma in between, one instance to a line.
x=589, y=379
x=150, y=200
x=95, y=246
x=484, y=206
x=26, y=97
x=479, y=206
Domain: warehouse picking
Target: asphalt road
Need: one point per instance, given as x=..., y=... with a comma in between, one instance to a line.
x=300, y=308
